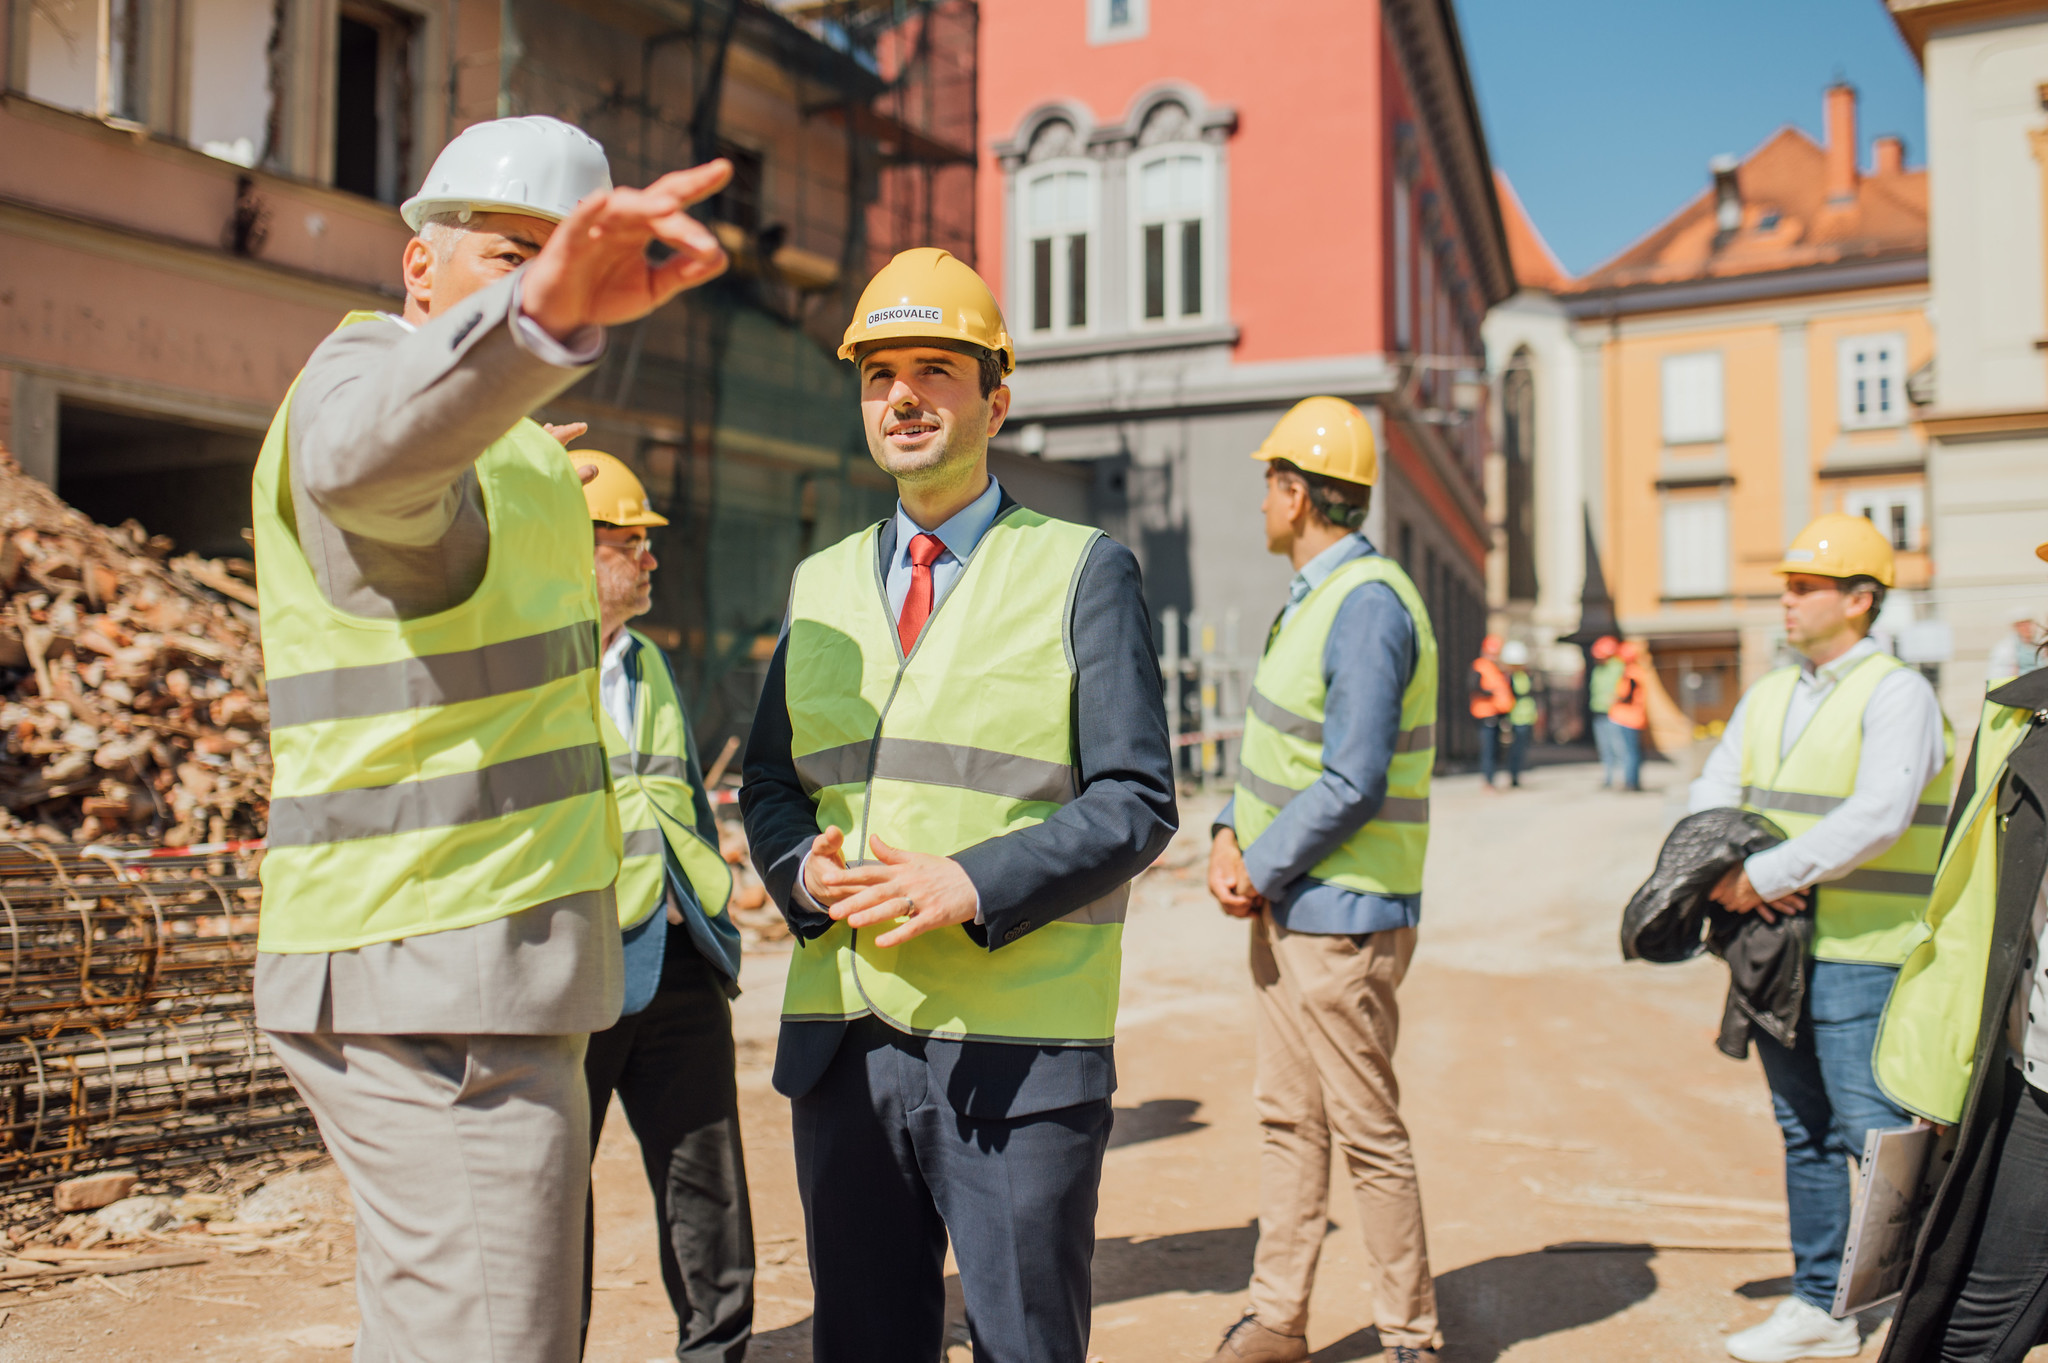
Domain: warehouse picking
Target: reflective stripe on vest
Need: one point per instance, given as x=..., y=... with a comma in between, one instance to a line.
x=1869, y=914
x=1283, y=737
x=658, y=799
x=435, y=773
x=1927, y=1041
x=967, y=739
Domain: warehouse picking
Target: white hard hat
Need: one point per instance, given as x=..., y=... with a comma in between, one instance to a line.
x=1515, y=653
x=537, y=166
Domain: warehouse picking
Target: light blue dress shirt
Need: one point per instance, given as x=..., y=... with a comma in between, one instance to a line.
x=1313, y=572
x=959, y=534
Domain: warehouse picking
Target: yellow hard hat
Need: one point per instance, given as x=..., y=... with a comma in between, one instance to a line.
x=1327, y=436
x=926, y=294
x=615, y=496
x=1841, y=545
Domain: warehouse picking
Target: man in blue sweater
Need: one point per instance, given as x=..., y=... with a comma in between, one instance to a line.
x=1321, y=848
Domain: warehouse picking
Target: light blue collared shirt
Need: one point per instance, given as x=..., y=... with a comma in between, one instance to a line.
x=1316, y=569
x=959, y=534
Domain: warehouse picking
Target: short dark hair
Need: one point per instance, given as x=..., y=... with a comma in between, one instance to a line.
x=1876, y=590
x=991, y=362
x=1341, y=504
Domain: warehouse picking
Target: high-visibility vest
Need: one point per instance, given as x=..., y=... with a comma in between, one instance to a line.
x=1524, y=685
x=446, y=771
x=968, y=738
x=1282, y=753
x=1631, y=708
x=1494, y=697
x=1869, y=914
x=1602, y=684
x=658, y=798
x=1927, y=1040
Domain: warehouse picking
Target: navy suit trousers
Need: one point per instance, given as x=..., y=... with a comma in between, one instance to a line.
x=887, y=1166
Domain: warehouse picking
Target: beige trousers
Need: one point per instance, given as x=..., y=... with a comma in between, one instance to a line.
x=469, y=1159
x=1327, y=1024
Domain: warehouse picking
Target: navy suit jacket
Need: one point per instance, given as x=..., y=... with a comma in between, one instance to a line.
x=1117, y=826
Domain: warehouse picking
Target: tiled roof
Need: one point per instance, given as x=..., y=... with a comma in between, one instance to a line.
x=1787, y=221
x=1535, y=266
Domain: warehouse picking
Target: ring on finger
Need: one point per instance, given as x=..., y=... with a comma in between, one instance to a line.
x=909, y=907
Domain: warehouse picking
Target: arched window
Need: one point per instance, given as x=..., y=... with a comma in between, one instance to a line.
x=1057, y=235
x=1173, y=222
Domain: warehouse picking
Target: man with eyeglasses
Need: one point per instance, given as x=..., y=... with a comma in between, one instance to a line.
x=669, y=1057
x=1849, y=754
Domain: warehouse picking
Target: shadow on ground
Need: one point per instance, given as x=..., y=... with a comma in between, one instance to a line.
x=1154, y=1120
x=1130, y=1267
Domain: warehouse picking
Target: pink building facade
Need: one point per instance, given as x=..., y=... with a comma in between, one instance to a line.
x=1197, y=214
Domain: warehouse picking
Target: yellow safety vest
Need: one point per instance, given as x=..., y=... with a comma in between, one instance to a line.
x=1927, y=1041
x=967, y=739
x=658, y=798
x=1283, y=737
x=446, y=771
x=1524, y=685
x=1869, y=914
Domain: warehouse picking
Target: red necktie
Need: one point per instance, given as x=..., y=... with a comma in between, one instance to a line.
x=917, y=602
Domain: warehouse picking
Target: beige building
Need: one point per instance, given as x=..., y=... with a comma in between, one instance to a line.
x=1986, y=66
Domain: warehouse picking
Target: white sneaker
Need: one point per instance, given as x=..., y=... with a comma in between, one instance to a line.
x=1796, y=1330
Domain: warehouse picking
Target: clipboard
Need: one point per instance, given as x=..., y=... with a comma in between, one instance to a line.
x=1897, y=1177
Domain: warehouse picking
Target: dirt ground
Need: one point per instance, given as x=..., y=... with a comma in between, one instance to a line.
x=1556, y=1095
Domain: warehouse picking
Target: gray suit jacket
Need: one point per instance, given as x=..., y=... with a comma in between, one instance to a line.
x=1122, y=820
x=384, y=429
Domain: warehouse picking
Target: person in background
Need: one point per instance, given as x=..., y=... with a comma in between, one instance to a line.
x=1848, y=753
x=2016, y=652
x=1601, y=683
x=1964, y=1044
x=1630, y=714
x=1521, y=717
x=1321, y=848
x=669, y=1057
x=1492, y=701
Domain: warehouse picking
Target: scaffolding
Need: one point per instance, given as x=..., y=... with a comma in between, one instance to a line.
x=850, y=125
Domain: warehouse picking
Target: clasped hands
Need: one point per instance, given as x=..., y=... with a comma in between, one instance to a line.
x=1734, y=893
x=922, y=890
x=1229, y=881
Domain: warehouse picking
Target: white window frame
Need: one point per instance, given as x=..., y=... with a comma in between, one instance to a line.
x=1137, y=20
x=1025, y=232
x=1877, y=386
x=1694, y=419
x=1206, y=213
x=1692, y=565
x=1878, y=504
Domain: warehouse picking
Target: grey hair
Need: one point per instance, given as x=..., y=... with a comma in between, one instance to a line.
x=440, y=230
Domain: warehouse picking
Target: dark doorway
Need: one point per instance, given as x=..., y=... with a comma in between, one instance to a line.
x=187, y=481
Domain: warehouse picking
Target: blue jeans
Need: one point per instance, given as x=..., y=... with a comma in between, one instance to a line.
x=1491, y=732
x=1609, y=747
x=1629, y=743
x=1826, y=1101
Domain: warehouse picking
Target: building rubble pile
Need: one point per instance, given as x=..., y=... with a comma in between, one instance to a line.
x=131, y=682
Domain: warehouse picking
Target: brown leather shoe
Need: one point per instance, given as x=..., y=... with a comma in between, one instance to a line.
x=1250, y=1342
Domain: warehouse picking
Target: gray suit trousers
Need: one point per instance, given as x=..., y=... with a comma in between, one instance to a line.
x=469, y=1160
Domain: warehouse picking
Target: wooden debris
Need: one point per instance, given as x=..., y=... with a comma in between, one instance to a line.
x=131, y=683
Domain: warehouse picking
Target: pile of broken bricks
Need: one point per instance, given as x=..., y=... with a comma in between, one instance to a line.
x=131, y=682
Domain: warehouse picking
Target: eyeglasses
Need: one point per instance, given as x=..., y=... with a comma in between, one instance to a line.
x=632, y=548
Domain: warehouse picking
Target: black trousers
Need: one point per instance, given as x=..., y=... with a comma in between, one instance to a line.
x=887, y=1168
x=672, y=1067
x=2003, y=1308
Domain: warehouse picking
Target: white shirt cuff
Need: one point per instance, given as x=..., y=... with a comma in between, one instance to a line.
x=584, y=348
x=1767, y=874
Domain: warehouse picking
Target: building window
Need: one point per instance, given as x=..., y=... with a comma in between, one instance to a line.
x=1873, y=381
x=228, y=95
x=1175, y=246
x=1059, y=232
x=1692, y=398
x=94, y=56
x=1403, y=272
x=1896, y=511
x=373, y=100
x=1696, y=547
x=1117, y=21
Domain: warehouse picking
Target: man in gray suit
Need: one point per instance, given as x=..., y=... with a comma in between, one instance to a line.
x=438, y=931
